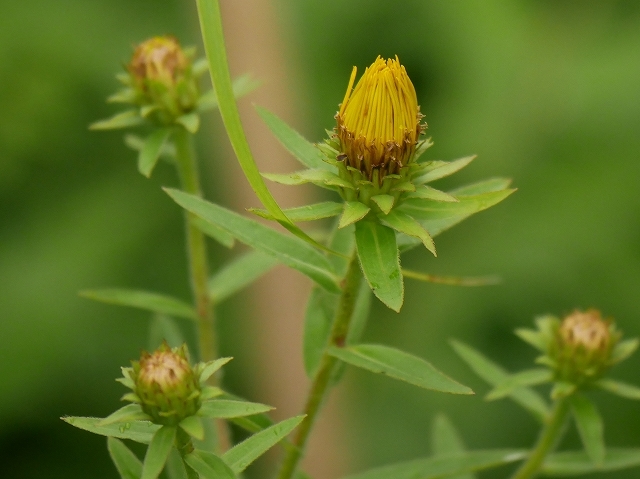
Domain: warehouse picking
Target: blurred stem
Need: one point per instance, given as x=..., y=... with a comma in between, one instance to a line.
x=328, y=364
x=185, y=446
x=549, y=437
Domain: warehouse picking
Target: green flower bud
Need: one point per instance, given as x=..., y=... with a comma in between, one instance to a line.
x=167, y=387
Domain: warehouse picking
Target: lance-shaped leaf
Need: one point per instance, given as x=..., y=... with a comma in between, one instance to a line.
x=228, y=408
x=533, y=337
x=294, y=142
x=130, y=412
x=406, y=224
x=427, y=210
x=398, y=365
x=211, y=367
x=445, y=440
x=319, y=177
x=221, y=236
x=292, y=251
x=313, y=212
x=353, y=211
x=209, y=466
x=121, y=120
x=440, y=169
x=139, y=431
x=158, y=452
x=317, y=327
x=623, y=350
x=590, y=427
x=126, y=462
x=530, y=377
x=240, y=456
x=238, y=274
x=484, y=186
x=126, y=95
x=380, y=262
x=190, y=121
x=175, y=467
x=621, y=389
x=451, y=280
x=193, y=426
x=158, y=303
x=494, y=375
x=444, y=466
x=150, y=152
x=577, y=463
x=384, y=202
x=428, y=193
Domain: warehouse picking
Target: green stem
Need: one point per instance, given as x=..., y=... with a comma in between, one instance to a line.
x=196, y=249
x=185, y=446
x=328, y=364
x=549, y=437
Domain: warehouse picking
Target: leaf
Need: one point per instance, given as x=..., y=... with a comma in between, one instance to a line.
x=317, y=327
x=427, y=210
x=445, y=440
x=238, y=274
x=243, y=454
x=360, y=315
x=291, y=251
x=530, y=377
x=126, y=95
x=128, y=413
x=158, y=303
x=534, y=338
x=429, y=193
x=158, y=452
x=175, y=467
x=577, y=463
x=623, y=350
x=225, y=408
x=353, y=211
x=484, y=186
x=190, y=121
x=406, y=224
x=126, y=462
x=139, y=431
x=443, y=466
x=211, y=367
x=384, y=202
x=380, y=262
x=469, y=281
x=150, y=152
x=442, y=169
x=192, y=425
x=313, y=212
x=242, y=85
x=398, y=365
x=136, y=143
x=209, y=466
x=213, y=39
x=621, y=389
x=221, y=236
x=124, y=119
x=317, y=176
x=303, y=150
x=590, y=427
x=494, y=375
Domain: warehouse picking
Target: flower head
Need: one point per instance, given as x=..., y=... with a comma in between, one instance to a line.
x=158, y=59
x=379, y=120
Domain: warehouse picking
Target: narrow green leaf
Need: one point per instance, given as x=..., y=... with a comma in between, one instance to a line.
x=190, y=121
x=451, y=280
x=624, y=349
x=442, y=169
x=484, y=186
x=175, y=467
x=158, y=452
x=192, y=425
x=221, y=236
x=534, y=338
x=150, y=152
x=139, y=431
x=353, y=211
x=317, y=176
x=228, y=408
x=317, y=326
x=136, y=143
x=238, y=274
x=429, y=193
x=158, y=303
x=124, y=119
x=384, y=202
x=214, y=45
x=577, y=463
x=126, y=462
x=303, y=150
x=590, y=427
x=624, y=390
x=291, y=251
x=494, y=375
x=360, y=315
x=243, y=454
x=126, y=95
x=130, y=412
x=530, y=377
x=380, y=262
x=209, y=466
x=444, y=466
x=406, y=224
x=399, y=365
x=445, y=440
x=211, y=367
x=313, y=212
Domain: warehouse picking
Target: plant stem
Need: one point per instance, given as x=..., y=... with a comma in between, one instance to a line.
x=548, y=440
x=328, y=364
x=185, y=446
x=196, y=249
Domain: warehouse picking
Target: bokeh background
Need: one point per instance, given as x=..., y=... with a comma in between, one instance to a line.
x=545, y=92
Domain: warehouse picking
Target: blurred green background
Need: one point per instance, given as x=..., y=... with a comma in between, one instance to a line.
x=545, y=92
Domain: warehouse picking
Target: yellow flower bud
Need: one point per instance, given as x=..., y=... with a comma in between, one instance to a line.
x=158, y=59
x=379, y=119
x=586, y=329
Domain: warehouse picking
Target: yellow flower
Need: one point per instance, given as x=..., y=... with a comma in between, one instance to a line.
x=379, y=119
x=586, y=329
x=158, y=59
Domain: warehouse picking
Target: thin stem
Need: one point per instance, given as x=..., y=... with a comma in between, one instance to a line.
x=549, y=437
x=185, y=446
x=328, y=364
